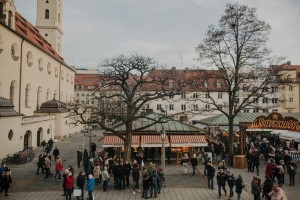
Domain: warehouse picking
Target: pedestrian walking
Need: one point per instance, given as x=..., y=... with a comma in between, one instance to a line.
x=239, y=185
x=5, y=180
x=277, y=193
x=210, y=175
x=97, y=174
x=105, y=178
x=206, y=160
x=80, y=181
x=230, y=181
x=90, y=185
x=135, y=176
x=184, y=163
x=47, y=166
x=267, y=187
x=58, y=169
x=255, y=188
x=291, y=169
x=40, y=164
x=55, y=153
x=127, y=166
x=221, y=181
x=146, y=183
x=255, y=162
x=79, y=158
x=194, y=163
x=69, y=186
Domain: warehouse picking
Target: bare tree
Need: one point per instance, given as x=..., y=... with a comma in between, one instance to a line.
x=236, y=48
x=126, y=86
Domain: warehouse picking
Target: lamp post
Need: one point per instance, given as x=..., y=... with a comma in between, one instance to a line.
x=89, y=134
x=163, y=150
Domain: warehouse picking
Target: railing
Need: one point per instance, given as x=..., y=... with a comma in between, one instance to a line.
x=32, y=119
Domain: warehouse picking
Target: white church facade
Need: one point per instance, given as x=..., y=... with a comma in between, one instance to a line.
x=35, y=82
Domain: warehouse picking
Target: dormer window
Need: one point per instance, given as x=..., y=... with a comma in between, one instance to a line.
x=205, y=84
x=218, y=84
x=182, y=83
x=194, y=84
x=47, y=14
x=171, y=84
x=10, y=18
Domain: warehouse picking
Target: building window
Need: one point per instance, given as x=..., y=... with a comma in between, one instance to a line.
x=92, y=102
x=291, y=88
x=15, y=52
x=205, y=84
x=274, y=89
x=56, y=72
x=255, y=100
x=255, y=110
x=219, y=95
x=13, y=90
x=183, y=95
x=265, y=89
x=27, y=95
x=218, y=84
x=220, y=106
x=10, y=135
x=29, y=59
x=274, y=100
x=291, y=99
x=82, y=87
x=246, y=110
x=171, y=96
x=1, y=44
x=183, y=107
x=289, y=111
x=82, y=94
x=41, y=67
x=171, y=107
x=206, y=95
x=47, y=14
x=207, y=106
x=49, y=68
x=195, y=95
x=265, y=100
x=237, y=100
x=10, y=19
x=194, y=84
x=158, y=107
x=195, y=107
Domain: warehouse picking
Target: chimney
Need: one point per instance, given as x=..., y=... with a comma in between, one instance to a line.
x=288, y=62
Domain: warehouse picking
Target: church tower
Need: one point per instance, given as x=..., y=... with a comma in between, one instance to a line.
x=49, y=22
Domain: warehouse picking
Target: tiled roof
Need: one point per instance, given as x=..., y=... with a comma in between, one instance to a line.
x=289, y=67
x=53, y=106
x=26, y=30
x=87, y=80
x=7, y=108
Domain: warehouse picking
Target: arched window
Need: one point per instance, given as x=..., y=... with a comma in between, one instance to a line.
x=39, y=96
x=47, y=14
x=49, y=68
x=13, y=90
x=27, y=95
x=15, y=52
x=41, y=63
x=48, y=94
x=29, y=59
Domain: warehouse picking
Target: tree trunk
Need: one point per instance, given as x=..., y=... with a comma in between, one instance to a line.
x=231, y=133
x=127, y=144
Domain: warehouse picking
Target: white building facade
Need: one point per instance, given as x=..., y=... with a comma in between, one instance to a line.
x=32, y=73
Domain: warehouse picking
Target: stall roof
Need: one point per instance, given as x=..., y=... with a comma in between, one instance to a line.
x=289, y=135
x=221, y=119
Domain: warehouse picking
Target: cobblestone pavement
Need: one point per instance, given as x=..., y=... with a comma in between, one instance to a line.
x=29, y=186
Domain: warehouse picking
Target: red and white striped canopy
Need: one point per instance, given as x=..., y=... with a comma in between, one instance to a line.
x=153, y=141
x=115, y=141
x=188, y=141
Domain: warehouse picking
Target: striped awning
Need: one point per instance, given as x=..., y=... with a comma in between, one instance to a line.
x=153, y=141
x=188, y=141
x=115, y=141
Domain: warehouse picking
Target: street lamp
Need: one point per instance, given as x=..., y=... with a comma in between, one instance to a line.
x=89, y=134
x=163, y=150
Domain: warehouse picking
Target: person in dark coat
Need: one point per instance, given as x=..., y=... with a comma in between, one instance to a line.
x=230, y=181
x=127, y=166
x=291, y=170
x=79, y=158
x=221, y=180
x=6, y=181
x=239, y=185
x=85, y=160
x=255, y=188
x=55, y=153
x=256, y=161
x=94, y=148
x=90, y=167
x=80, y=181
x=267, y=187
x=121, y=176
x=146, y=183
x=194, y=162
x=135, y=176
x=40, y=163
x=210, y=175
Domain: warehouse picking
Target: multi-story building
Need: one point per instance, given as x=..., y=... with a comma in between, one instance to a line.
x=35, y=81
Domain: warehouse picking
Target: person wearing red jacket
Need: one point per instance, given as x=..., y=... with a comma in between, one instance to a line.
x=270, y=169
x=58, y=168
x=69, y=186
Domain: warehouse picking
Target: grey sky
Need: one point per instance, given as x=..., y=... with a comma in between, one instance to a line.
x=161, y=29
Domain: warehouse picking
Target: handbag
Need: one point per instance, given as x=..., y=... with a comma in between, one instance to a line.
x=77, y=192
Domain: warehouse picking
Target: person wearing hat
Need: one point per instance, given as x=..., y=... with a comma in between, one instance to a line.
x=5, y=181
x=90, y=186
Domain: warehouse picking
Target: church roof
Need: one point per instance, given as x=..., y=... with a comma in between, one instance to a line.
x=53, y=106
x=7, y=108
